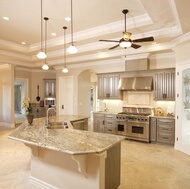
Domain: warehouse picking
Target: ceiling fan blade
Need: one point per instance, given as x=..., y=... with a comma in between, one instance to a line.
x=146, y=39
x=114, y=47
x=135, y=46
x=108, y=40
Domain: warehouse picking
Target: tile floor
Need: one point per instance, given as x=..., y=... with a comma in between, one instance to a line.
x=143, y=166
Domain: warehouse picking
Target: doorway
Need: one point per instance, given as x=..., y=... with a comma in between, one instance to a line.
x=20, y=91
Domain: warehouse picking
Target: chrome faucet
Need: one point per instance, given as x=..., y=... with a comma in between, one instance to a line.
x=47, y=115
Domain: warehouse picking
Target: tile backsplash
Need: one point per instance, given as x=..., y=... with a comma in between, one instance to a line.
x=136, y=98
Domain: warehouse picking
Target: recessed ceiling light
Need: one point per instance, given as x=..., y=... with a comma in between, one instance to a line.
x=23, y=43
x=68, y=19
x=5, y=18
x=53, y=34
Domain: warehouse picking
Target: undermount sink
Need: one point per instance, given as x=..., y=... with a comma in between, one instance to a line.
x=57, y=125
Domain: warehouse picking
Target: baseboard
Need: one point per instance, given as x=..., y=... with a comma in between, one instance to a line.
x=40, y=184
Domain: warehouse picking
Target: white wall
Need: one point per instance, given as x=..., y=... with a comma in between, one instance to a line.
x=7, y=95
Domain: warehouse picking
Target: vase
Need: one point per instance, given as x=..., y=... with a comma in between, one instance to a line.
x=30, y=119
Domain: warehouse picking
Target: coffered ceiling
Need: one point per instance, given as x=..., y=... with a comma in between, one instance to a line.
x=166, y=20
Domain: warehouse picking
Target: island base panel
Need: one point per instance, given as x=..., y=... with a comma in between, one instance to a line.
x=57, y=170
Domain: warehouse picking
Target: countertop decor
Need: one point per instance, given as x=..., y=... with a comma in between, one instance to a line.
x=159, y=111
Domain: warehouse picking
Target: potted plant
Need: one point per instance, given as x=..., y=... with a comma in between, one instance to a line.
x=26, y=104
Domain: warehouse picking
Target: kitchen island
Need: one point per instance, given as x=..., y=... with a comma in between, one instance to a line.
x=69, y=158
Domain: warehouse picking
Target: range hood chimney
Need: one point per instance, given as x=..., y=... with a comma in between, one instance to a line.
x=136, y=83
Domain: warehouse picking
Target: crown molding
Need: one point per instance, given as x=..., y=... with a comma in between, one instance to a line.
x=162, y=55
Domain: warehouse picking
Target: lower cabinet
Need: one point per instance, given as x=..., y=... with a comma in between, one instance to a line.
x=109, y=122
x=98, y=122
x=162, y=130
x=153, y=129
x=104, y=123
x=166, y=130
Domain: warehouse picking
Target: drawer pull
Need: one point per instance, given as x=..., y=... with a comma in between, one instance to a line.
x=165, y=138
x=109, y=130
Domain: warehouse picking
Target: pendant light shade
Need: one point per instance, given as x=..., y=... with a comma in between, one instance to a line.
x=65, y=70
x=45, y=66
x=72, y=49
x=41, y=54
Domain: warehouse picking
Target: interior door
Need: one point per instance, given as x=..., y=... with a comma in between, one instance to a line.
x=182, y=132
x=65, y=104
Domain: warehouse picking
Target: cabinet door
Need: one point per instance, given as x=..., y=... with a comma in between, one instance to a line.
x=103, y=87
x=108, y=86
x=153, y=129
x=98, y=120
x=50, y=88
x=164, y=85
x=113, y=86
x=170, y=85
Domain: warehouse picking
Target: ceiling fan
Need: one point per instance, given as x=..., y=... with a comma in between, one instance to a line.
x=126, y=41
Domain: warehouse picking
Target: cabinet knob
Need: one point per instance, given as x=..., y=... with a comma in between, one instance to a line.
x=62, y=106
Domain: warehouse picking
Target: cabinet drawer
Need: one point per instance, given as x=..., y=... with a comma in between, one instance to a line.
x=166, y=121
x=110, y=130
x=110, y=123
x=165, y=128
x=110, y=116
x=165, y=137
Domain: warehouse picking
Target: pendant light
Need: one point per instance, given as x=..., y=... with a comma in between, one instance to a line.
x=45, y=66
x=72, y=49
x=65, y=70
x=41, y=54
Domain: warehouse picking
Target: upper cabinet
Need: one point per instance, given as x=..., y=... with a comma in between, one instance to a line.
x=108, y=86
x=50, y=88
x=164, y=85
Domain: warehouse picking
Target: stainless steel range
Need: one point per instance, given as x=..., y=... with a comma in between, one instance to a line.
x=133, y=122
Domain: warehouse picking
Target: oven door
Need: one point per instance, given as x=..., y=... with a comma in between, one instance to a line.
x=121, y=128
x=138, y=130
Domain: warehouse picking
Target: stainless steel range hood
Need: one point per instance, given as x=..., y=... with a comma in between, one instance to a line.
x=136, y=83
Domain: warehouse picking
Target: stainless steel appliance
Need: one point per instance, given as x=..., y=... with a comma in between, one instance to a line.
x=49, y=102
x=133, y=123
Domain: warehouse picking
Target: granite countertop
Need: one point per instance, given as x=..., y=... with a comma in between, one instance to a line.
x=68, y=140
x=164, y=117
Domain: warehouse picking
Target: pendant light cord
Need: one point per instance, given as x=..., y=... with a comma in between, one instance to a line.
x=41, y=27
x=71, y=22
x=46, y=19
x=65, y=45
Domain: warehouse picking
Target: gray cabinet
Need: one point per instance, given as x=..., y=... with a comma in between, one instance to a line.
x=166, y=130
x=109, y=123
x=164, y=85
x=162, y=130
x=104, y=123
x=98, y=122
x=153, y=130
x=108, y=86
x=50, y=88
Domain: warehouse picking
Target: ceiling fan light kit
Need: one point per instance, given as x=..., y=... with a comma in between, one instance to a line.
x=126, y=41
